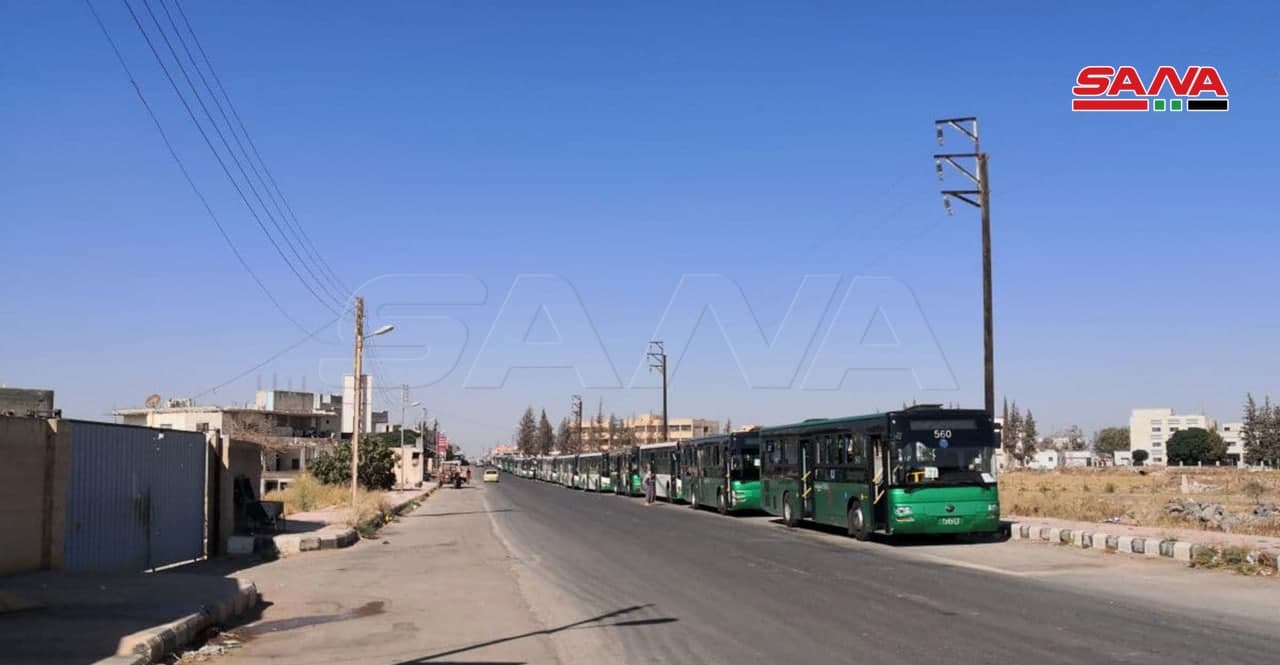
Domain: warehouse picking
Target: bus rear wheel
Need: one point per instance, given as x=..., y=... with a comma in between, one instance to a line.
x=788, y=513
x=693, y=499
x=857, y=523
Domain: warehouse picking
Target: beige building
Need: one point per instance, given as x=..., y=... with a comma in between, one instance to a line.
x=1230, y=433
x=289, y=428
x=648, y=428
x=1150, y=429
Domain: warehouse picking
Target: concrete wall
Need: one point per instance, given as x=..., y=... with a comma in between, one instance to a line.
x=286, y=400
x=34, y=461
x=23, y=401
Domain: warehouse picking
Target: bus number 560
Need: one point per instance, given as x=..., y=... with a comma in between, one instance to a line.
x=942, y=434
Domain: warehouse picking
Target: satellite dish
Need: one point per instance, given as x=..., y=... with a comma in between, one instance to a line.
x=153, y=401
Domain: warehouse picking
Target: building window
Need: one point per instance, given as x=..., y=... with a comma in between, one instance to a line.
x=202, y=427
x=1155, y=429
x=1157, y=460
x=1156, y=444
x=296, y=464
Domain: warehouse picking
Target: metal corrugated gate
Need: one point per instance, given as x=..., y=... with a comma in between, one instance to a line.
x=135, y=497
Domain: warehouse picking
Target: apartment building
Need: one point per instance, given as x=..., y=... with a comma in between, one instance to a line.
x=1150, y=429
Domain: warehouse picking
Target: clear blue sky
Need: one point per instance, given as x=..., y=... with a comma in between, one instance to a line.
x=620, y=148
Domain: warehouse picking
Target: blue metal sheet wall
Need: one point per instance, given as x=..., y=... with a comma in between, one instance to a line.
x=135, y=497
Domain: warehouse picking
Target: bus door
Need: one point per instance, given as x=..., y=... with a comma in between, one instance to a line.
x=879, y=454
x=806, y=479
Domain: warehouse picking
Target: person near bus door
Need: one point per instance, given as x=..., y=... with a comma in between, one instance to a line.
x=650, y=487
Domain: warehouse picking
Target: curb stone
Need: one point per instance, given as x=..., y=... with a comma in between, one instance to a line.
x=152, y=644
x=1149, y=547
x=295, y=543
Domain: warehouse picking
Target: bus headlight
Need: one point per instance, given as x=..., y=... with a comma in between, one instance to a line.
x=902, y=511
x=993, y=507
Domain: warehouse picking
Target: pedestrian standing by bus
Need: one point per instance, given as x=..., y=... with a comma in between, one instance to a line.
x=650, y=487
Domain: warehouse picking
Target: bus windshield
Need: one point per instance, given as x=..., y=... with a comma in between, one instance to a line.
x=921, y=463
x=745, y=465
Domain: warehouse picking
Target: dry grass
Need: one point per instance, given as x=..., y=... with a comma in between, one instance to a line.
x=1094, y=495
x=307, y=494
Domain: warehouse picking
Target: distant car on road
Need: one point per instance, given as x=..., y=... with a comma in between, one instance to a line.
x=491, y=475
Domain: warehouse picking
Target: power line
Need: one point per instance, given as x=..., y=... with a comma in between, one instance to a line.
x=217, y=156
x=308, y=244
x=222, y=137
x=275, y=356
x=173, y=153
x=217, y=103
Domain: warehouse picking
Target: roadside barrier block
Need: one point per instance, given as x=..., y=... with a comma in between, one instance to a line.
x=1124, y=544
x=1138, y=545
x=1044, y=533
x=1065, y=536
x=1055, y=535
x=1182, y=551
x=1086, y=539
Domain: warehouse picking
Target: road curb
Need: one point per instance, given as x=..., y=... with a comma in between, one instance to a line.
x=152, y=644
x=1188, y=552
x=331, y=537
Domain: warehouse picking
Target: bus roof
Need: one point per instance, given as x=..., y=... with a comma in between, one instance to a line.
x=921, y=411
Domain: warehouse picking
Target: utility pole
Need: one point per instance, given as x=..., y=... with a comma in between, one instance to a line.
x=969, y=127
x=658, y=361
x=404, y=406
x=575, y=410
x=357, y=418
x=357, y=397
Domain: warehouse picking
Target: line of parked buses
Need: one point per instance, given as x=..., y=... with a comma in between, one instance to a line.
x=921, y=470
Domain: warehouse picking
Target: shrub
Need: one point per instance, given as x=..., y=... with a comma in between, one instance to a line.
x=377, y=465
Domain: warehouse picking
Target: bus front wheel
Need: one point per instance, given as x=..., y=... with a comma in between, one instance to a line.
x=857, y=523
x=788, y=513
x=722, y=503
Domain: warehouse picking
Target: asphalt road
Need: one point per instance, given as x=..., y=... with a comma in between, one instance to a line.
x=614, y=581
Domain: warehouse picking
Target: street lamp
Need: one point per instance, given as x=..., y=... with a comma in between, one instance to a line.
x=357, y=422
x=403, y=407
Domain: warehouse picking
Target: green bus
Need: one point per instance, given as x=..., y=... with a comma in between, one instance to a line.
x=624, y=470
x=592, y=472
x=723, y=471
x=922, y=470
x=664, y=460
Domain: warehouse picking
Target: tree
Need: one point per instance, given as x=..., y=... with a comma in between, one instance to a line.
x=564, y=436
x=1029, y=434
x=544, y=440
x=615, y=430
x=377, y=465
x=598, y=431
x=1251, y=432
x=1012, y=432
x=1195, y=446
x=1110, y=440
x=526, y=432
x=1139, y=457
x=1075, y=438
x=728, y=425
x=1268, y=444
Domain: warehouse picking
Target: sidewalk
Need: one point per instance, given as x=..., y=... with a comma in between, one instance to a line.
x=1180, y=544
x=322, y=529
x=49, y=617
x=436, y=586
